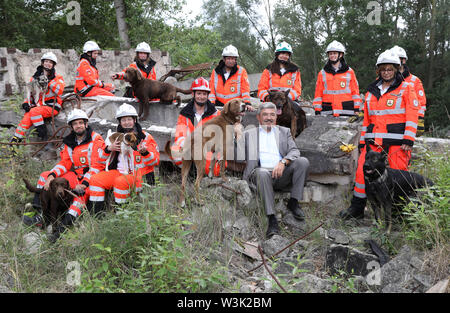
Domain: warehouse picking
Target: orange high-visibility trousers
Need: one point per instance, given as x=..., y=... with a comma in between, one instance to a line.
x=78, y=202
x=120, y=183
x=97, y=91
x=34, y=117
x=397, y=158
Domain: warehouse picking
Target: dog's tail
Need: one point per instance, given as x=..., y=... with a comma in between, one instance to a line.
x=184, y=91
x=31, y=187
x=167, y=149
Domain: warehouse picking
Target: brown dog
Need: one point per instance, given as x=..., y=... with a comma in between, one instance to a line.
x=213, y=136
x=128, y=144
x=55, y=201
x=145, y=89
x=288, y=113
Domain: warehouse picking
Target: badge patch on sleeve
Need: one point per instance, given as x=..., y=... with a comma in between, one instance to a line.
x=342, y=84
x=232, y=89
x=416, y=103
x=390, y=102
x=421, y=93
x=289, y=82
x=137, y=158
x=83, y=160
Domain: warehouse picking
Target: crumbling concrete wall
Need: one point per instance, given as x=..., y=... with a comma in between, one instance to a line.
x=16, y=67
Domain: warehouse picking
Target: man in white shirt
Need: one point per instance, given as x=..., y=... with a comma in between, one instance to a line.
x=273, y=163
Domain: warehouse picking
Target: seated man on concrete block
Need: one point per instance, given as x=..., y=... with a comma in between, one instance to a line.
x=273, y=163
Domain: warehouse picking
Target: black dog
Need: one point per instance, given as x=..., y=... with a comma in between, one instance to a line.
x=387, y=187
x=289, y=114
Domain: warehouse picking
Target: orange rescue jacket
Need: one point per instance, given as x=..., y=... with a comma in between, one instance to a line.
x=337, y=93
x=144, y=163
x=418, y=87
x=52, y=96
x=391, y=118
x=81, y=158
x=224, y=90
x=291, y=80
x=148, y=72
x=86, y=77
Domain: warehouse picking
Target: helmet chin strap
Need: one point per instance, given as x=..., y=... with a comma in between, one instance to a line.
x=202, y=104
x=334, y=62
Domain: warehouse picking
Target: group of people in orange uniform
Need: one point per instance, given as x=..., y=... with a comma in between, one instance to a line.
x=393, y=111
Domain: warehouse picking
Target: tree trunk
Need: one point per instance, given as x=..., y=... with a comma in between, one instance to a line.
x=431, y=46
x=119, y=6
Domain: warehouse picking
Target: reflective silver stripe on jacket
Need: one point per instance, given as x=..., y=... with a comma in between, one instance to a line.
x=327, y=91
x=238, y=89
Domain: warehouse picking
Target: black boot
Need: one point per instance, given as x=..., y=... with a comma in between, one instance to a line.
x=36, y=220
x=356, y=209
x=273, y=226
x=150, y=178
x=66, y=222
x=98, y=208
x=42, y=132
x=37, y=201
x=294, y=207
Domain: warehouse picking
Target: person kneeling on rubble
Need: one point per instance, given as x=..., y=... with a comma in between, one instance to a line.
x=273, y=163
x=45, y=104
x=124, y=171
x=78, y=163
x=143, y=62
x=87, y=82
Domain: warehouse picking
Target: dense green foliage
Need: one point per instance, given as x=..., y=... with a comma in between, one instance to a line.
x=255, y=27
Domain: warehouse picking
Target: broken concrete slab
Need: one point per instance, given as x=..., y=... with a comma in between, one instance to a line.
x=20, y=66
x=348, y=259
x=440, y=287
x=275, y=244
x=320, y=143
x=338, y=236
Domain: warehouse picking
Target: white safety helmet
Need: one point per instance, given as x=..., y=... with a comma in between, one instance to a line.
x=230, y=51
x=283, y=47
x=126, y=110
x=49, y=56
x=90, y=46
x=336, y=46
x=77, y=114
x=388, y=57
x=400, y=52
x=143, y=47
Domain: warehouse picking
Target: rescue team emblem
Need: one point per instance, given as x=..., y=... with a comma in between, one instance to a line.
x=232, y=89
x=416, y=103
x=390, y=102
x=421, y=93
x=289, y=82
x=342, y=84
x=137, y=158
x=82, y=160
